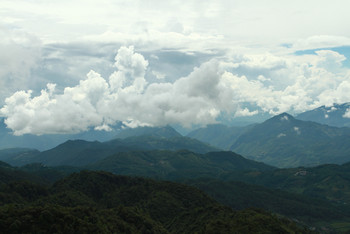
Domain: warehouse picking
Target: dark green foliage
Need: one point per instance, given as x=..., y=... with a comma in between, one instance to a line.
x=331, y=182
x=239, y=195
x=58, y=219
x=99, y=202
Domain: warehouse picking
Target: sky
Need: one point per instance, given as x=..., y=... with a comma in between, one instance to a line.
x=70, y=66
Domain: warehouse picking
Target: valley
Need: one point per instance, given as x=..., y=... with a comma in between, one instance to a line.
x=306, y=190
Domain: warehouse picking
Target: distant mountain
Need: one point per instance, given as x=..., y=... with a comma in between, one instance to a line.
x=161, y=143
x=284, y=141
x=166, y=132
x=332, y=115
x=218, y=135
x=81, y=153
x=18, y=156
x=175, y=165
x=45, y=142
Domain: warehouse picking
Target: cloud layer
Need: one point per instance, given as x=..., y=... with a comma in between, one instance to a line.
x=125, y=96
x=224, y=88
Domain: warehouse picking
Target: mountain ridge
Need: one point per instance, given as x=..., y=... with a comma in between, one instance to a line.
x=288, y=142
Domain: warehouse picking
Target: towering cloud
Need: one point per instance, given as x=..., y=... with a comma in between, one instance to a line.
x=271, y=83
x=126, y=96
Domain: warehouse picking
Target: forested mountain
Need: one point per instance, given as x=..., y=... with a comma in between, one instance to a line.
x=318, y=202
x=99, y=202
x=81, y=153
x=284, y=141
x=331, y=115
x=329, y=181
x=176, y=164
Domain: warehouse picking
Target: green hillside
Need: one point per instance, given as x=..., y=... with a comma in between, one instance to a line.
x=99, y=202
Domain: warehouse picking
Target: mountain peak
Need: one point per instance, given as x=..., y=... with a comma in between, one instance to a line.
x=334, y=115
x=283, y=117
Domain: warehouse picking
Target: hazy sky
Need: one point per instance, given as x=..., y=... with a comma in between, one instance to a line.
x=67, y=66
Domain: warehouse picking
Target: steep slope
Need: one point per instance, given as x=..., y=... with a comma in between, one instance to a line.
x=284, y=141
x=218, y=135
x=332, y=115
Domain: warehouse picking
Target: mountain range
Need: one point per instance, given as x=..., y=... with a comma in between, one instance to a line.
x=81, y=153
x=299, y=194
x=48, y=141
x=330, y=115
x=282, y=141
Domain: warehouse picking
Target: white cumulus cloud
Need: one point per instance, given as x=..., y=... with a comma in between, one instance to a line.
x=96, y=102
x=230, y=86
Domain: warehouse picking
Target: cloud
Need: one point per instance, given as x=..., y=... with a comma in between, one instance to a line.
x=290, y=83
x=320, y=41
x=158, y=75
x=20, y=54
x=222, y=87
x=245, y=112
x=297, y=130
x=347, y=113
x=126, y=96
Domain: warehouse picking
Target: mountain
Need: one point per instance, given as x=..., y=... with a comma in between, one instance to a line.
x=306, y=209
x=330, y=181
x=45, y=142
x=330, y=115
x=218, y=135
x=176, y=165
x=322, y=197
x=99, y=202
x=284, y=141
x=15, y=156
x=166, y=132
x=161, y=143
x=81, y=153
